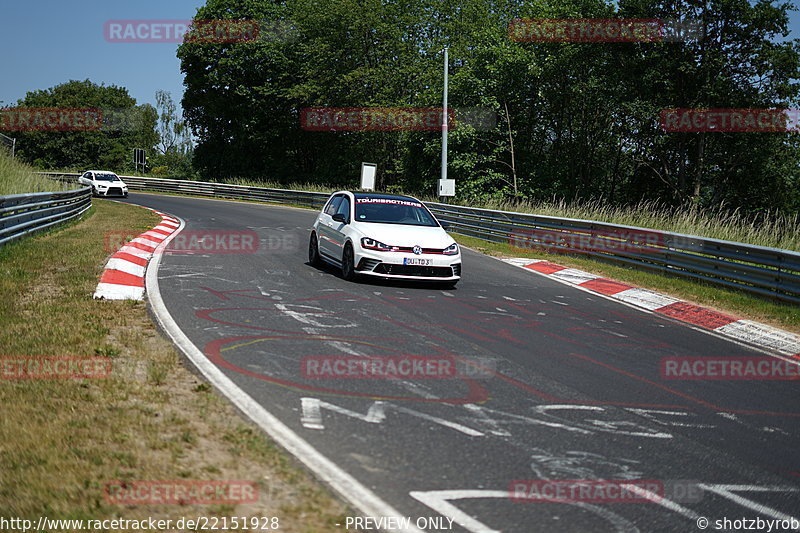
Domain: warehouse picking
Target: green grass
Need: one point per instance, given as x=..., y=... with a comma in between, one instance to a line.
x=770, y=229
x=19, y=178
x=735, y=303
x=152, y=419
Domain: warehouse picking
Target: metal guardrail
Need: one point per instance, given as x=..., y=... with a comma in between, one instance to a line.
x=23, y=214
x=768, y=272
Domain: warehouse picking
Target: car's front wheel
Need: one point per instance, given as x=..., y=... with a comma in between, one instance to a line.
x=313, y=251
x=348, y=263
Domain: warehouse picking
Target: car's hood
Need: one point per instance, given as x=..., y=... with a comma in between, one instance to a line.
x=119, y=183
x=402, y=235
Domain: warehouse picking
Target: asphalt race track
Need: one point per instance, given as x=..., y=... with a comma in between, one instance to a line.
x=554, y=383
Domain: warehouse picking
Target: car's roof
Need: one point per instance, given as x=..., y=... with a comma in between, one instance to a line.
x=101, y=171
x=383, y=196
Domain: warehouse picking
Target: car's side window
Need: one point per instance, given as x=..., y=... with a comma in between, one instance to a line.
x=88, y=175
x=333, y=206
x=344, y=208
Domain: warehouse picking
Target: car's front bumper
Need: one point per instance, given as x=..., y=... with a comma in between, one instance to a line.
x=390, y=265
x=112, y=191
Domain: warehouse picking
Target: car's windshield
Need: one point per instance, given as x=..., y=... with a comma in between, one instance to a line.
x=106, y=177
x=393, y=211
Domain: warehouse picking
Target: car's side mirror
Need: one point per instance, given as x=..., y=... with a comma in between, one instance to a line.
x=445, y=225
x=338, y=217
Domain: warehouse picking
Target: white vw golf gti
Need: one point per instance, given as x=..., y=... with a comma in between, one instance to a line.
x=383, y=235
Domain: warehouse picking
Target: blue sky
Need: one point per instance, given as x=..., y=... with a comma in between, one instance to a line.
x=47, y=42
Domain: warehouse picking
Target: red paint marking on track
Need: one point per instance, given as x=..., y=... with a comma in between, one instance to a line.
x=649, y=382
x=213, y=350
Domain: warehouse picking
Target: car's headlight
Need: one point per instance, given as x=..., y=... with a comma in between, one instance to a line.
x=372, y=244
x=451, y=250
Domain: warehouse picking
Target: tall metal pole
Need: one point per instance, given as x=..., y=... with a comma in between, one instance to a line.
x=444, y=121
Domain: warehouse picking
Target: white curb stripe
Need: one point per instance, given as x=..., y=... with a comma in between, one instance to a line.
x=116, y=263
x=112, y=291
x=573, y=275
x=146, y=242
x=783, y=341
x=644, y=298
x=138, y=252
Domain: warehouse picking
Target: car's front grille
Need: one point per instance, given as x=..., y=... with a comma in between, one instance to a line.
x=410, y=250
x=414, y=270
x=114, y=191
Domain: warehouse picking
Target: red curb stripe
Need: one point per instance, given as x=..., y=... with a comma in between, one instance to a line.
x=545, y=267
x=141, y=261
x=605, y=286
x=161, y=231
x=117, y=277
x=693, y=314
x=154, y=238
x=141, y=246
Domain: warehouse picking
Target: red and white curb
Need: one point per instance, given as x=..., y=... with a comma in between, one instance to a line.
x=123, y=278
x=760, y=335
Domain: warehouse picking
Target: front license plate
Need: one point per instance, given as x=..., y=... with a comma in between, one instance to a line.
x=415, y=261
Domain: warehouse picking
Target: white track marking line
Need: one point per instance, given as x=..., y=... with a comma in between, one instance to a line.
x=438, y=500
x=358, y=495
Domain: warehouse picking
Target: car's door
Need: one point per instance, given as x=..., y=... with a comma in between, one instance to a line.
x=338, y=228
x=85, y=179
x=325, y=235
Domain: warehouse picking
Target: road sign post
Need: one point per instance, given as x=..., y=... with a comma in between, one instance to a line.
x=139, y=158
x=368, y=171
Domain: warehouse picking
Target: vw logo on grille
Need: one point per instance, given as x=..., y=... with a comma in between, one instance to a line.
x=417, y=249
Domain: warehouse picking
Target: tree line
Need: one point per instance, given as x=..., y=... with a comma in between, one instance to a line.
x=569, y=120
x=574, y=120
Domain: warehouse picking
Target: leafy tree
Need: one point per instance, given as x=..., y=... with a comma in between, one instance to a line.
x=125, y=126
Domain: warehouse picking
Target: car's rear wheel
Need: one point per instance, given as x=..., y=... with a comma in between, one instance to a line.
x=313, y=251
x=348, y=263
